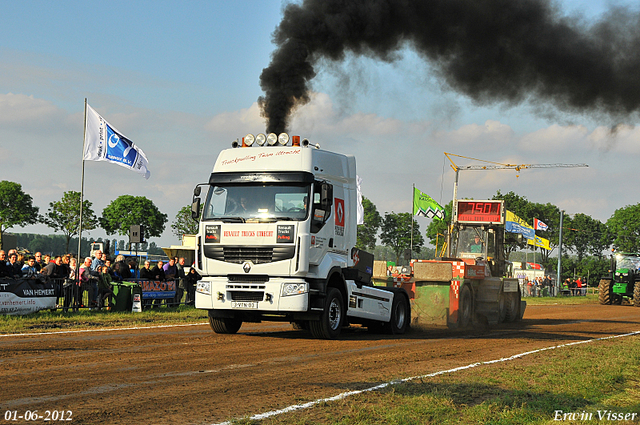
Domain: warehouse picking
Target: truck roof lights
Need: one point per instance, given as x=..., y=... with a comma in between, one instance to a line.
x=283, y=139
x=272, y=139
x=248, y=140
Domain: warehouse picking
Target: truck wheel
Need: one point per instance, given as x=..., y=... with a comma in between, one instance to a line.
x=224, y=325
x=513, y=307
x=328, y=327
x=605, y=292
x=400, y=315
x=465, y=307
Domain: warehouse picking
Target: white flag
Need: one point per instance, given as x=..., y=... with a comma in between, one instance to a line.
x=103, y=142
x=360, y=210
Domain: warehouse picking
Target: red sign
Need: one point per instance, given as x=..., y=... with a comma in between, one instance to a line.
x=481, y=212
x=339, y=212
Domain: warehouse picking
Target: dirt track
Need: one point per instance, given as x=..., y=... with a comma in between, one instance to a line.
x=191, y=375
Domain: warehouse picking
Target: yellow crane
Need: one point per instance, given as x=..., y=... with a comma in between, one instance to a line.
x=490, y=165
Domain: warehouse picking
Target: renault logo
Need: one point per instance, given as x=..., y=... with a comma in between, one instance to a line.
x=246, y=267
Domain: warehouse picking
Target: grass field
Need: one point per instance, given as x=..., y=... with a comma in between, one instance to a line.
x=46, y=320
x=585, y=383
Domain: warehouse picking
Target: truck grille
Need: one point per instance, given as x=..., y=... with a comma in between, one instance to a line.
x=240, y=254
x=246, y=296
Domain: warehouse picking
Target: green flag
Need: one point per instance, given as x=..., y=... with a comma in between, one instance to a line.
x=425, y=206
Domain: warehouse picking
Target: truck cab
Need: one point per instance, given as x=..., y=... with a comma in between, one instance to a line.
x=277, y=239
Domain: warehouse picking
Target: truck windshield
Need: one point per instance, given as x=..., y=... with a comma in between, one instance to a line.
x=257, y=202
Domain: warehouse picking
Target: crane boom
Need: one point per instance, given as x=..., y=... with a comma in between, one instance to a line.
x=499, y=166
x=491, y=166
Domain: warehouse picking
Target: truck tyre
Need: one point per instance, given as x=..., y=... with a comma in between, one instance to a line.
x=400, y=315
x=465, y=308
x=605, y=292
x=636, y=294
x=513, y=307
x=328, y=327
x=224, y=325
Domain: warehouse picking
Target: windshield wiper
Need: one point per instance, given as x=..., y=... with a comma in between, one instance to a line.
x=233, y=220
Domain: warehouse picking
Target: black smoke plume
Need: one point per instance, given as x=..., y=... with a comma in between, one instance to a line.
x=490, y=50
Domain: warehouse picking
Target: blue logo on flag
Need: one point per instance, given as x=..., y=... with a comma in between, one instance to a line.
x=120, y=149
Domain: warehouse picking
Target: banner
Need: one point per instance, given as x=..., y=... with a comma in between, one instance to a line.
x=24, y=296
x=539, y=225
x=360, y=210
x=104, y=143
x=156, y=290
x=515, y=224
x=540, y=243
x=425, y=206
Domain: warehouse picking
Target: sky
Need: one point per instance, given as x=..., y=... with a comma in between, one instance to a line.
x=181, y=79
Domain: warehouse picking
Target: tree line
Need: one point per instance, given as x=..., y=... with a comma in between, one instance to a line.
x=17, y=209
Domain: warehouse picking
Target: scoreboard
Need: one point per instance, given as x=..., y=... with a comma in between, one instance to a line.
x=480, y=212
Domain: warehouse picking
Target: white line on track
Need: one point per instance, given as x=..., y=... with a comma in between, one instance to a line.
x=105, y=330
x=261, y=416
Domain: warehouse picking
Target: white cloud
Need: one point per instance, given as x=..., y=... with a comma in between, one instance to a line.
x=554, y=138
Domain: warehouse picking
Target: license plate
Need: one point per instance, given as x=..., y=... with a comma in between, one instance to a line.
x=243, y=304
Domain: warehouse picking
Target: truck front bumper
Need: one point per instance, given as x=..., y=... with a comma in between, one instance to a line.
x=278, y=295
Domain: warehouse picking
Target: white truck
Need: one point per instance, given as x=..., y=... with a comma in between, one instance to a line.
x=276, y=242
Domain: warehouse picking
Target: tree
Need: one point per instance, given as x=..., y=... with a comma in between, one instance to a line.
x=367, y=232
x=64, y=216
x=184, y=224
x=624, y=224
x=586, y=235
x=16, y=207
x=396, y=233
x=127, y=210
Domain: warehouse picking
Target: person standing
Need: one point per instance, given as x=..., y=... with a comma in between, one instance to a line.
x=29, y=270
x=145, y=272
x=191, y=280
x=181, y=283
x=38, y=257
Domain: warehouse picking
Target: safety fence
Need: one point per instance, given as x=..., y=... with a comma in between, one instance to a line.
x=72, y=295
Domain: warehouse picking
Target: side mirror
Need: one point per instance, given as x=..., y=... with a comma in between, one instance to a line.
x=326, y=196
x=195, y=209
x=196, y=191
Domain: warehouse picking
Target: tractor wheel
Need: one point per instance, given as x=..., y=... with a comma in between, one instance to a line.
x=400, y=314
x=465, y=308
x=605, y=292
x=513, y=307
x=224, y=325
x=636, y=294
x=502, y=307
x=328, y=327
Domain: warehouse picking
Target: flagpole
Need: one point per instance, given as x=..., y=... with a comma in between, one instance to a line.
x=413, y=200
x=84, y=138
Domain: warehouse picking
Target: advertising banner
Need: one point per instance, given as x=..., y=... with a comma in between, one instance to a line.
x=158, y=290
x=24, y=296
x=515, y=224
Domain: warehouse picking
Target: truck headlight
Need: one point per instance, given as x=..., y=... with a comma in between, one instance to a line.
x=293, y=289
x=204, y=287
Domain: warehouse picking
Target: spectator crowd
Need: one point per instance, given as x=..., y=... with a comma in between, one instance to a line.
x=96, y=276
